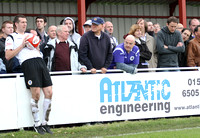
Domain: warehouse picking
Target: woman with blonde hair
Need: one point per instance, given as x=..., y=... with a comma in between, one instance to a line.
x=145, y=54
x=143, y=24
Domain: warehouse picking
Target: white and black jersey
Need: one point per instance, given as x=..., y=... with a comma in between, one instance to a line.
x=15, y=41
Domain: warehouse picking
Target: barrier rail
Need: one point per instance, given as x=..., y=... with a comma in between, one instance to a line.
x=109, y=71
x=103, y=97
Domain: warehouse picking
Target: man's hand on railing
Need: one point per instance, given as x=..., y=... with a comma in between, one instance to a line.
x=103, y=70
x=83, y=70
x=93, y=71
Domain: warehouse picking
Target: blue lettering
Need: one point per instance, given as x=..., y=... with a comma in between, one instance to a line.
x=116, y=84
x=144, y=91
x=124, y=98
x=105, y=82
x=107, y=87
x=158, y=91
x=152, y=83
x=134, y=89
x=165, y=97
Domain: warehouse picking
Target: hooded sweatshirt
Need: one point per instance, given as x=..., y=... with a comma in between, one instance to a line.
x=74, y=37
x=168, y=57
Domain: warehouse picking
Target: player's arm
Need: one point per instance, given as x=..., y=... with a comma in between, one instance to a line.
x=10, y=53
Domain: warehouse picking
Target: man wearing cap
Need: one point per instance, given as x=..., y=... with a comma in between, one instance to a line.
x=95, y=49
x=87, y=26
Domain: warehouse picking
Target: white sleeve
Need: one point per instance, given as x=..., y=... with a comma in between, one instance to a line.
x=9, y=44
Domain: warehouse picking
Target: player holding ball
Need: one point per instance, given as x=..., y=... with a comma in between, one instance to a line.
x=36, y=74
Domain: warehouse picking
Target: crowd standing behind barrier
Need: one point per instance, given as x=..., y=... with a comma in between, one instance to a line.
x=90, y=57
x=146, y=28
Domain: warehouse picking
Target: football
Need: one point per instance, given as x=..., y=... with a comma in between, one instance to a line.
x=33, y=42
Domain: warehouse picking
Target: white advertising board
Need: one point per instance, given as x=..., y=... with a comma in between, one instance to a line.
x=105, y=97
x=8, y=104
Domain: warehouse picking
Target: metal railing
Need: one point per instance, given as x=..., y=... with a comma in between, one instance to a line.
x=172, y=68
x=108, y=71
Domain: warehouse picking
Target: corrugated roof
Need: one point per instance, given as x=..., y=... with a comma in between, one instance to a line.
x=135, y=1
x=123, y=2
x=128, y=2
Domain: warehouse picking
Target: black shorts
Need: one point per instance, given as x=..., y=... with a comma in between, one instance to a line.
x=36, y=73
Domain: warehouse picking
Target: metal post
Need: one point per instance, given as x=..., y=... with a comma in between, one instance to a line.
x=182, y=12
x=81, y=15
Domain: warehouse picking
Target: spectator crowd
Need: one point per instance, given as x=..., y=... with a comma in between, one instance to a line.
x=62, y=48
x=148, y=45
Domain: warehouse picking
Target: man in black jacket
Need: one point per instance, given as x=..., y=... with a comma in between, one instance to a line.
x=95, y=49
x=7, y=29
x=169, y=44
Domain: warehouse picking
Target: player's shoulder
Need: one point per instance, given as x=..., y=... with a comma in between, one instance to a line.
x=10, y=37
x=13, y=36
